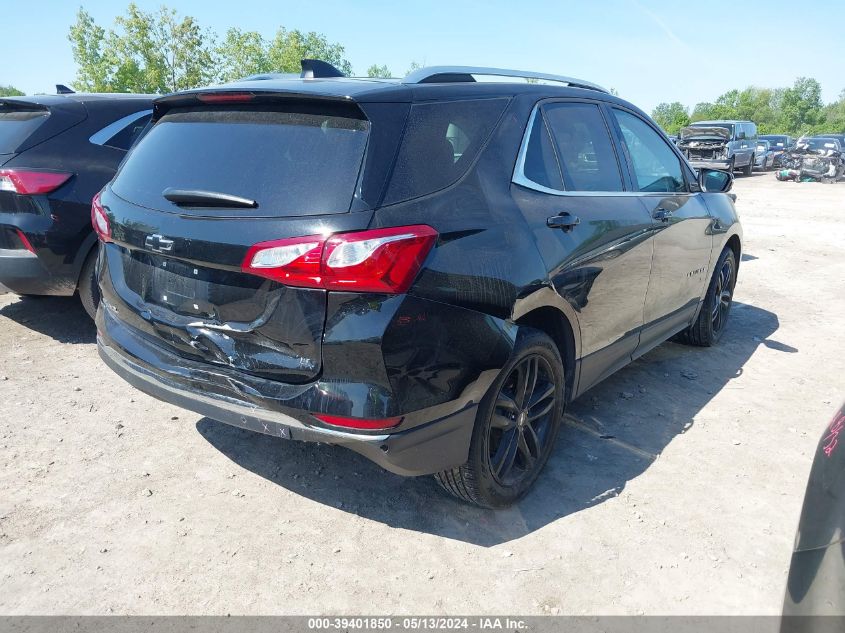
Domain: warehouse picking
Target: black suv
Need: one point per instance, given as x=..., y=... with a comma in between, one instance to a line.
x=56, y=152
x=422, y=270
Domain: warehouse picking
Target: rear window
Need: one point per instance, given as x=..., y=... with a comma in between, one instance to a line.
x=18, y=124
x=441, y=141
x=290, y=163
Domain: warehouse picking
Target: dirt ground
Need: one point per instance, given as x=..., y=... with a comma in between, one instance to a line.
x=112, y=502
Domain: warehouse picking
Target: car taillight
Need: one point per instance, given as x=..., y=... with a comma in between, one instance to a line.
x=31, y=182
x=99, y=220
x=378, y=260
x=358, y=423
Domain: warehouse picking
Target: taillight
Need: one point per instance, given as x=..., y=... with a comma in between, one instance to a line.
x=31, y=182
x=99, y=220
x=358, y=423
x=379, y=260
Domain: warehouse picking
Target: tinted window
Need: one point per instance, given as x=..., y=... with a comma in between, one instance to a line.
x=440, y=142
x=121, y=134
x=655, y=165
x=541, y=165
x=18, y=124
x=291, y=163
x=584, y=148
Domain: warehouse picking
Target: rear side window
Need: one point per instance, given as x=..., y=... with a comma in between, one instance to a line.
x=123, y=132
x=587, y=158
x=541, y=165
x=18, y=124
x=290, y=163
x=441, y=141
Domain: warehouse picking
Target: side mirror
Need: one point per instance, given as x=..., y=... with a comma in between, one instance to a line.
x=714, y=180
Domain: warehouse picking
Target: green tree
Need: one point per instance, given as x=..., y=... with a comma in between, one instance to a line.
x=240, y=54
x=801, y=107
x=288, y=48
x=833, y=117
x=671, y=116
x=9, y=91
x=379, y=71
x=146, y=52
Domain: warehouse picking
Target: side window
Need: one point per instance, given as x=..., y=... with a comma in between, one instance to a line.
x=540, y=164
x=122, y=133
x=655, y=165
x=587, y=158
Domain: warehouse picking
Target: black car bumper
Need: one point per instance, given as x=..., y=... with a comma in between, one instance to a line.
x=427, y=441
x=23, y=272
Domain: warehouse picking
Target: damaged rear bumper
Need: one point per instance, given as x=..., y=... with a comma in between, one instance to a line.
x=428, y=440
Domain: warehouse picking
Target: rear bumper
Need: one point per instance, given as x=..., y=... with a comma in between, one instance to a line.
x=427, y=441
x=24, y=273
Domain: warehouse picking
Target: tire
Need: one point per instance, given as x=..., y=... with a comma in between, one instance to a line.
x=749, y=168
x=710, y=323
x=89, y=291
x=508, y=450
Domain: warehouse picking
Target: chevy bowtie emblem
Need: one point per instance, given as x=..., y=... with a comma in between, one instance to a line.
x=158, y=243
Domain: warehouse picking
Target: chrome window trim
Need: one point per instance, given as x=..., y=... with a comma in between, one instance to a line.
x=102, y=136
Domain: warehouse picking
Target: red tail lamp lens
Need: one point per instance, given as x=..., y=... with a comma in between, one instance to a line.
x=99, y=220
x=379, y=260
x=31, y=182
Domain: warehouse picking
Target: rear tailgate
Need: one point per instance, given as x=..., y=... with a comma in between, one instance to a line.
x=173, y=270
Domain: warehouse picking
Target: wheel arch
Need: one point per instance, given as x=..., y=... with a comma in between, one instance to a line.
x=556, y=325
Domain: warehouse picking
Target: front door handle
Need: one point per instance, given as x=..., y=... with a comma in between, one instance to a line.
x=662, y=214
x=563, y=221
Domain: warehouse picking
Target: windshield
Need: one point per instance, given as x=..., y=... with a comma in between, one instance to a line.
x=289, y=163
x=726, y=126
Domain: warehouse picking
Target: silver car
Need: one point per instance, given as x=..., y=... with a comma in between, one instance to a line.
x=764, y=156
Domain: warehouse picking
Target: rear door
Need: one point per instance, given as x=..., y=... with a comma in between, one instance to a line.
x=683, y=240
x=592, y=231
x=173, y=271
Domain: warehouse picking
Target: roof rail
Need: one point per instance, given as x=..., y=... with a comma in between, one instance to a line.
x=441, y=74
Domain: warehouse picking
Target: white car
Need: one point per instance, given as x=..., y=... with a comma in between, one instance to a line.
x=764, y=155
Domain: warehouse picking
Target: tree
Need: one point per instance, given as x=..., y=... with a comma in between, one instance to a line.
x=240, y=54
x=801, y=107
x=146, y=52
x=671, y=116
x=288, y=48
x=379, y=71
x=163, y=52
x=9, y=91
x=833, y=117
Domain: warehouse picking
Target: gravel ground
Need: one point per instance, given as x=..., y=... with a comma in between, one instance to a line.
x=675, y=488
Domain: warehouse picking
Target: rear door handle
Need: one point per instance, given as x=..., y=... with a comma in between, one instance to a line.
x=662, y=214
x=563, y=221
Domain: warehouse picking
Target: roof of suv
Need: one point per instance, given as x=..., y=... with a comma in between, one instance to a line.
x=364, y=90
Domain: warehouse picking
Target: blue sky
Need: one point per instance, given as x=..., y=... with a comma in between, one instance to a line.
x=649, y=51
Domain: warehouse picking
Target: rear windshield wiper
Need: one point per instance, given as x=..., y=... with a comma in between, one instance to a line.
x=202, y=198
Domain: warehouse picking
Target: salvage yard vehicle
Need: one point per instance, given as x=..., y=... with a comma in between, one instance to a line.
x=728, y=145
x=56, y=152
x=814, y=159
x=778, y=143
x=422, y=270
x=765, y=156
